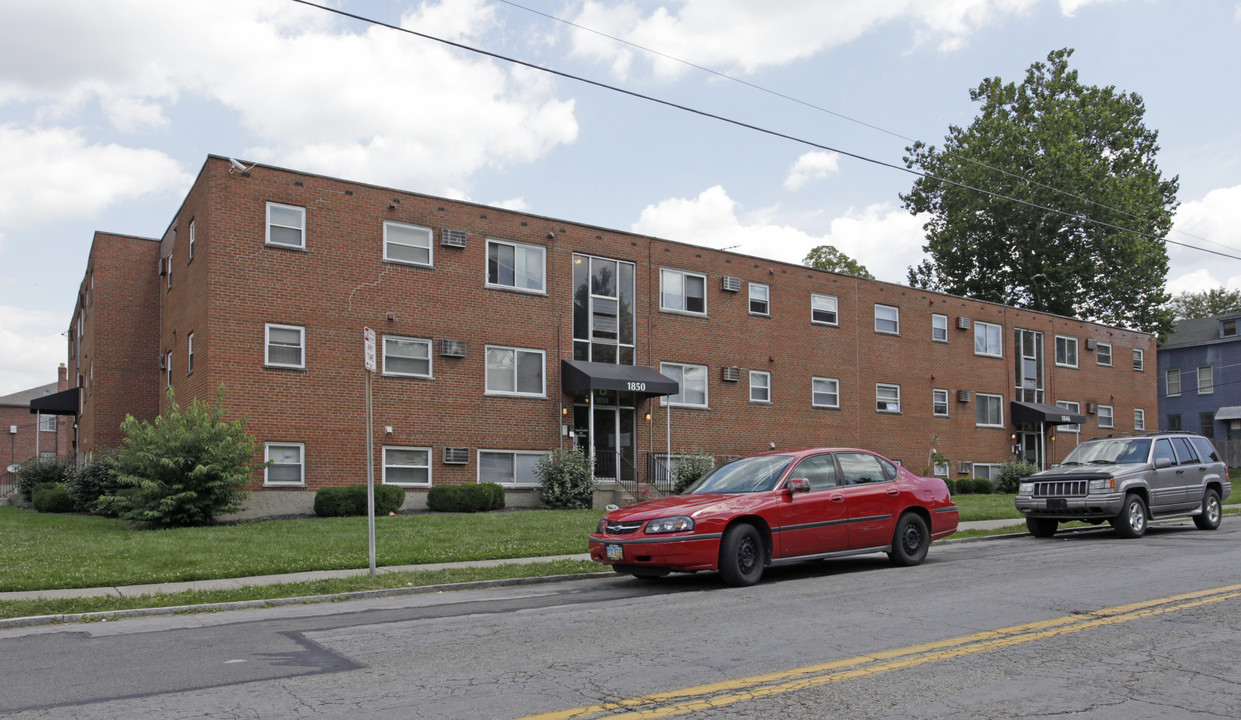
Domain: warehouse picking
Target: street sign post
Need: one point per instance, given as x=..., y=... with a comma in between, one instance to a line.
x=368, y=344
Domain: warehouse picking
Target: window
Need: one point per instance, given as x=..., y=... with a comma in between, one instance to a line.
x=409, y=357
x=1174, y=421
x=939, y=328
x=603, y=310
x=1205, y=384
x=1172, y=381
x=684, y=292
x=1066, y=351
x=1228, y=328
x=1103, y=354
x=407, y=466
x=168, y=271
x=1105, y=416
x=693, y=382
x=887, y=398
x=820, y=470
x=941, y=469
x=987, y=340
x=990, y=410
x=408, y=244
x=987, y=471
x=286, y=346
x=508, y=467
x=1206, y=424
x=189, y=354
x=823, y=310
x=191, y=254
x=285, y=464
x=760, y=299
x=825, y=392
x=167, y=368
x=514, y=266
x=1074, y=408
x=939, y=403
x=286, y=225
x=1139, y=361
x=47, y=423
x=760, y=386
x=887, y=320
x=1029, y=366
x=1139, y=419
x=514, y=371
x=861, y=468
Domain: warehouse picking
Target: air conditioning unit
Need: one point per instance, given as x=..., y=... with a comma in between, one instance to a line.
x=965, y=467
x=963, y=323
x=730, y=284
x=163, y=363
x=1091, y=344
x=452, y=348
x=456, y=455
x=1092, y=408
x=165, y=263
x=452, y=238
x=963, y=396
x=730, y=374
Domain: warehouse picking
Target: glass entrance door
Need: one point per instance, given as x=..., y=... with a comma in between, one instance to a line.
x=1031, y=446
x=608, y=433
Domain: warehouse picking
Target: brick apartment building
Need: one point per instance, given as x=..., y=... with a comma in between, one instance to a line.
x=33, y=434
x=503, y=334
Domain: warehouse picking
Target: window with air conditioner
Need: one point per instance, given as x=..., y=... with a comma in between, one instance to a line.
x=408, y=244
x=406, y=357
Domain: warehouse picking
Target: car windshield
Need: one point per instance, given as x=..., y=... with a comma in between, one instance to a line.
x=753, y=474
x=1109, y=452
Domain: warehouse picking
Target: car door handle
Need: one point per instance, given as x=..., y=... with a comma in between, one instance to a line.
x=838, y=498
x=894, y=491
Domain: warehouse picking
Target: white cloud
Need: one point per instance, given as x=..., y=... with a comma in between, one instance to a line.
x=1214, y=223
x=884, y=239
x=29, y=351
x=812, y=166
x=55, y=173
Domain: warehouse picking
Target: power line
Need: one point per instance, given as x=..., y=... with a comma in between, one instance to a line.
x=750, y=126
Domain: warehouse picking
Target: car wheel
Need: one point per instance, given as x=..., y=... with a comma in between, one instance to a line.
x=1131, y=522
x=1042, y=527
x=1211, y=514
x=643, y=573
x=741, y=555
x=911, y=541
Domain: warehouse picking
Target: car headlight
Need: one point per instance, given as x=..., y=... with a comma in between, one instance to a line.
x=670, y=525
x=602, y=527
x=1103, y=485
x=1025, y=489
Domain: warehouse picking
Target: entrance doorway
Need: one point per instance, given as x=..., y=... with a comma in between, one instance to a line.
x=1030, y=445
x=610, y=421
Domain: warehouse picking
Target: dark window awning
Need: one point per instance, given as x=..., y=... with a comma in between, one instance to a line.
x=1029, y=412
x=578, y=375
x=64, y=402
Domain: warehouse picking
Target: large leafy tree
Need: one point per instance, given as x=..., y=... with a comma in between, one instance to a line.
x=1082, y=233
x=1205, y=304
x=826, y=257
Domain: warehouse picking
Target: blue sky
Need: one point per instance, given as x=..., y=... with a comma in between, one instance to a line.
x=108, y=110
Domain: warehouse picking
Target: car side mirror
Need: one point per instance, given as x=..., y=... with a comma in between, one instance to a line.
x=1161, y=463
x=797, y=485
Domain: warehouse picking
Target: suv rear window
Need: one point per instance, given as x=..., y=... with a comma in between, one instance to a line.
x=1206, y=450
x=1185, y=451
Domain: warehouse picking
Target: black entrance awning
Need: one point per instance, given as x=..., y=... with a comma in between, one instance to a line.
x=576, y=375
x=64, y=402
x=1030, y=412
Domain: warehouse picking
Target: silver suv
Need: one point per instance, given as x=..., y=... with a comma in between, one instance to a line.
x=1128, y=480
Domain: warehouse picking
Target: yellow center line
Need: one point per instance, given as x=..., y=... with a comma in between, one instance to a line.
x=705, y=697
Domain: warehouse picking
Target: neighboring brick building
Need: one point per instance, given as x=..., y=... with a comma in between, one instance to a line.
x=265, y=280
x=30, y=434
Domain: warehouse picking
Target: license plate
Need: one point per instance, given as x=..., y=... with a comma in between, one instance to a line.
x=616, y=552
x=1057, y=504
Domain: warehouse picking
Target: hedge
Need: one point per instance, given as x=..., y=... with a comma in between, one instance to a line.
x=351, y=500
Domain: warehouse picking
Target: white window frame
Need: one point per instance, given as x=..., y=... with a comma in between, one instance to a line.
x=1100, y=354
x=664, y=367
x=1066, y=342
x=1110, y=415
x=267, y=344
x=1207, y=388
x=47, y=423
x=542, y=392
x=1139, y=419
x=895, y=320
x=1139, y=360
x=300, y=227
x=189, y=354
x=664, y=273
x=818, y=303
x=992, y=337
x=765, y=292
x=387, y=372
x=517, y=247
x=936, y=402
x=761, y=381
x=814, y=392
x=888, y=402
x=939, y=328
x=429, y=246
x=301, y=465
x=1072, y=407
x=991, y=468
x=190, y=259
x=533, y=482
x=167, y=368
x=384, y=461
x=1167, y=380
x=942, y=469
x=999, y=404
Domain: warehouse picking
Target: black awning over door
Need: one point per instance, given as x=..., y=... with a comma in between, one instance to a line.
x=64, y=402
x=1042, y=413
x=579, y=375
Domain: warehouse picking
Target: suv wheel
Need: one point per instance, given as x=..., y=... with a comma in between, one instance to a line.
x=1042, y=527
x=1131, y=522
x=1211, y=513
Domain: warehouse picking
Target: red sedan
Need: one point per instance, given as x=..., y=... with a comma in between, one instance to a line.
x=779, y=508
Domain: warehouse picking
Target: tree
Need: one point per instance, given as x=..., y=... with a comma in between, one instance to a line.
x=1082, y=236
x=1205, y=304
x=826, y=257
x=184, y=469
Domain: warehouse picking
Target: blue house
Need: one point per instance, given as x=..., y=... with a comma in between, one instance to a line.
x=1200, y=377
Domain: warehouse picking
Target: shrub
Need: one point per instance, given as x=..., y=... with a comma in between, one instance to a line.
x=952, y=485
x=567, y=477
x=350, y=500
x=51, y=498
x=90, y=482
x=1011, y=473
x=689, y=467
x=465, y=498
x=983, y=486
x=39, y=471
x=965, y=486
